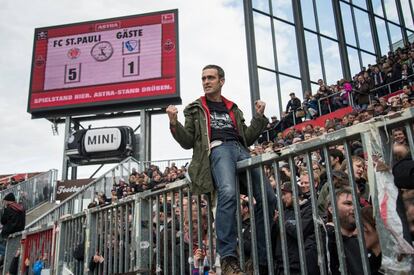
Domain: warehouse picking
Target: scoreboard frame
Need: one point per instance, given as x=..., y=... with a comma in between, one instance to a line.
x=155, y=87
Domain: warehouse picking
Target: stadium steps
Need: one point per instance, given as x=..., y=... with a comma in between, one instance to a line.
x=38, y=211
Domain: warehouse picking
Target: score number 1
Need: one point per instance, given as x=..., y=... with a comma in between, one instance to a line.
x=131, y=66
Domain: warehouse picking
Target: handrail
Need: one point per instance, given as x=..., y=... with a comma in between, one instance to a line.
x=25, y=193
x=73, y=196
x=68, y=202
x=389, y=86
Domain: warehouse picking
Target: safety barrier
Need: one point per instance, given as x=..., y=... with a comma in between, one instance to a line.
x=31, y=246
x=80, y=200
x=157, y=231
x=34, y=191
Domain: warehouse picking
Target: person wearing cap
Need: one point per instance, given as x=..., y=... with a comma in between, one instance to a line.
x=216, y=131
x=293, y=104
x=305, y=212
x=13, y=219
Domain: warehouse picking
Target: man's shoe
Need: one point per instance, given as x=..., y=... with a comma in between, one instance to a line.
x=230, y=266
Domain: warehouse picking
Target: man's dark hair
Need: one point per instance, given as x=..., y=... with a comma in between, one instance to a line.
x=338, y=192
x=220, y=70
x=335, y=153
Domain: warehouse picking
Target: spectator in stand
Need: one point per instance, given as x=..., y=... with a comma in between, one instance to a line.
x=13, y=219
x=293, y=106
x=291, y=235
x=371, y=240
x=362, y=93
x=321, y=95
x=403, y=172
x=346, y=215
x=378, y=79
x=405, y=73
x=407, y=90
x=310, y=105
x=399, y=136
x=336, y=157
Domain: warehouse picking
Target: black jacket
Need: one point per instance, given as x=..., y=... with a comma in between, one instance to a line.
x=403, y=172
x=293, y=105
x=292, y=241
x=13, y=219
x=353, y=260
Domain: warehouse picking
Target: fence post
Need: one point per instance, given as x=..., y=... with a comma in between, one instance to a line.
x=143, y=230
x=91, y=236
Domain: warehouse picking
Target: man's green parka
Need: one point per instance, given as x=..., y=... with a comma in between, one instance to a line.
x=196, y=134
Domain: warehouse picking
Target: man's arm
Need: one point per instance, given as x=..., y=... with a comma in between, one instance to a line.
x=184, y=135
x=257, y=125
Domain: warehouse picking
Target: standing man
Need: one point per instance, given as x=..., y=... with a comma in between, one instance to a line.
x=215, y=129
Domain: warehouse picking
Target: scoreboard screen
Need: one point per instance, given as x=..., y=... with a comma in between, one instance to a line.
x=106, y=65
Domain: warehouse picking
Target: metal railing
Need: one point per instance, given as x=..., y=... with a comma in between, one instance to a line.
x=163, y=164
x=326, y=98
x=388, y=87
x=79, y=201
x=34, y=191
x=157, y=231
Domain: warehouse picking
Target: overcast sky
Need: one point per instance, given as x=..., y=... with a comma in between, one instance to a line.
x=210, y=32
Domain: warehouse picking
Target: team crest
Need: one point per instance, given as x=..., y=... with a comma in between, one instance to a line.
x=74, y=53
x=40, y=61
x=169, y=45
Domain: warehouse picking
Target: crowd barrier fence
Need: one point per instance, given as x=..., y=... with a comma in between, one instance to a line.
x=155, y=231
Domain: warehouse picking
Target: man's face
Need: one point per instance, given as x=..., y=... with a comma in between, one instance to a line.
x=399, y=137
x=304, y=183
x=358, y=167
x=346, y=212
x=287, y=199
x=211, y=82
x=334, y=161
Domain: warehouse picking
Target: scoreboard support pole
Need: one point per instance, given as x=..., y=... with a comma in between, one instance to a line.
x=66, y=163
x=144, y=148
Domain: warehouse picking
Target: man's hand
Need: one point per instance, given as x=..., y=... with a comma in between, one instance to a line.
x=172, y=112
x=260, y=107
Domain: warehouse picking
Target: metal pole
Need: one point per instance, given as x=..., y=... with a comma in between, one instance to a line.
x=74, y=169
x=402, y=21
x=346, y=71
x=251, y=53
x=301, y=47
x=374, y=30
x=66, y=164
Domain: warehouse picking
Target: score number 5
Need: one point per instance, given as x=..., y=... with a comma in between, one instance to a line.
x=72, y=73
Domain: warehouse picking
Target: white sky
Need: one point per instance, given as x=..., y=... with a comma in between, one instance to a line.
x=210, y=32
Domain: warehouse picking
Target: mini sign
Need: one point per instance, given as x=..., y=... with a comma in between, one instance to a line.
x=101, y=140
x=109, y=65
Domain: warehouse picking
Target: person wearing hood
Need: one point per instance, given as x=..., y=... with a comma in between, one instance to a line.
x=14, y=216
x=13, y=219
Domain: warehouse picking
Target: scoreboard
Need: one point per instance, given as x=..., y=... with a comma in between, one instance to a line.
x=106, y=65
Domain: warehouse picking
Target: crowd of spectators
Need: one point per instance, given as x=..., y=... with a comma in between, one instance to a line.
x=151, y=179
x=10, y=183
x=394, y=69
x=395, y=66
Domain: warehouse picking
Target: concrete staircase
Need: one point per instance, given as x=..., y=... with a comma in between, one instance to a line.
x=38, y=211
